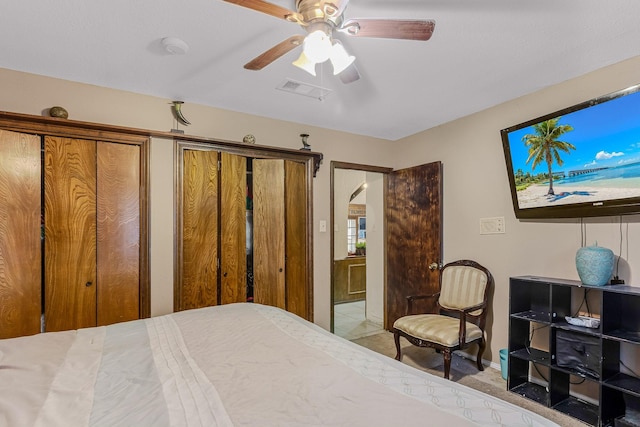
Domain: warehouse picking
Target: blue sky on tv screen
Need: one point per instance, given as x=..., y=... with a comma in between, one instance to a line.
x=605, y=135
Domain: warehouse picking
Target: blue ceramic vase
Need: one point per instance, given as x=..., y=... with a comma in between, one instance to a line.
x=595, y=265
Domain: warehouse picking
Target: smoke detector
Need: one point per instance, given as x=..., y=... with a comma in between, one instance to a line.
x=174, y=45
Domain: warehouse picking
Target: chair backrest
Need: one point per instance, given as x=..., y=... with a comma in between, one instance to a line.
x=464, y=284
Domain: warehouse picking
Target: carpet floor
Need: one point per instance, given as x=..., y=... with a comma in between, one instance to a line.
x=463, y=371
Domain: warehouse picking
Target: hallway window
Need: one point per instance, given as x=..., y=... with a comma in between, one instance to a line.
x=351, y=236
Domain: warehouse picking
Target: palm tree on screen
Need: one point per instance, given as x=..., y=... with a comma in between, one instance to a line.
x=545, y=146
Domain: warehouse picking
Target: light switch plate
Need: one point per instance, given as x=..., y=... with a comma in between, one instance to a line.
x=323, y=226
x=492, y=225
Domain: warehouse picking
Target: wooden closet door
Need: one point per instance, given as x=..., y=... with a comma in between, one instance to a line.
x=233, y=220
x=70, y=233
x=269, y=232
x=118, y=233
x=296, y=219
x=198, y=283
x=20, y=243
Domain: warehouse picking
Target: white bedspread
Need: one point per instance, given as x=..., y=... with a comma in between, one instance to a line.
x=232, y=365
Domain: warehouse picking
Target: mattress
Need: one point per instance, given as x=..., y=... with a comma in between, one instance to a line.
x=232, y=365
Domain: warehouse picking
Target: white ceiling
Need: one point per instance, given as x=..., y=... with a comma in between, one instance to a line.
x=482, y=53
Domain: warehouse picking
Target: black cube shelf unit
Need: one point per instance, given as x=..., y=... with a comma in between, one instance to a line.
x=534, y=372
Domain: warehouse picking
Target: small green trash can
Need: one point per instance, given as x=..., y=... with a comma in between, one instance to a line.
x=504, y=362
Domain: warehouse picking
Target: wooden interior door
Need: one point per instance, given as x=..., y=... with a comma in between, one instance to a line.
x=197, y=285
x=20, y=241
x=296, y=219
x=269, y=232
x=70, y=233
x=233, y=229
x=118, y=233
x=414, y=236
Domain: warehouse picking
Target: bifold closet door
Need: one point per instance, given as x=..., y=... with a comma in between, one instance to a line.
x=70, y=233
x=233, y=228
x=199, y=257
x=280, y=250
x=92, y=233
x=213, y=230
x=20, y=234
x=268, y=233
x=118, y=233
x=296, y=218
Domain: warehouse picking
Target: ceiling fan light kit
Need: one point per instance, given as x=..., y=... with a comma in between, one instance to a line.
x=320, y=18
x=317, y=48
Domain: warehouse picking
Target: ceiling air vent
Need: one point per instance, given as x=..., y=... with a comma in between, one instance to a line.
x=304, y=89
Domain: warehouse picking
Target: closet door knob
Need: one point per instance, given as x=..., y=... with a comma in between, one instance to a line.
x=88, y=284
x=225, y=274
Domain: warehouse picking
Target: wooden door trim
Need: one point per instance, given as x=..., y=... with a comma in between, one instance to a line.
x=145, y=243
x=88, y=130
x=360, y=167
x=72, y=128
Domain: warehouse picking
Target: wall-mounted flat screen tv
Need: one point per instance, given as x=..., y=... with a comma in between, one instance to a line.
x=581, y=161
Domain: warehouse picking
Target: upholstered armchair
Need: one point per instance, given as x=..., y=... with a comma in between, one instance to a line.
x=461, y=313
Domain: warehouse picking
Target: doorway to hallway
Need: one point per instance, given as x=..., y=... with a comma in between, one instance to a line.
x=357, y=249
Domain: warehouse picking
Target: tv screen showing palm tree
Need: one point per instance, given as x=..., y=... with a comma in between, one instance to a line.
x=578, y=162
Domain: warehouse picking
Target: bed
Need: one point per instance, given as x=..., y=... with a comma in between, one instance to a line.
x=232, y=365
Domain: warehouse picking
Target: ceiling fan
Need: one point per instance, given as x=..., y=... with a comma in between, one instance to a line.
x=321, y=18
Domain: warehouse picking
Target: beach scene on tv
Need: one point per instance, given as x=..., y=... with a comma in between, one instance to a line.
x=589, y=155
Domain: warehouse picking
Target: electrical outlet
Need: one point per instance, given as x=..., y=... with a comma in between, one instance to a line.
x=492, y=225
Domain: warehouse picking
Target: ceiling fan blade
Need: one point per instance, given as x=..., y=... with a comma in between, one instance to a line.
x=261, y=61
x=389, y=28
x=350, y=74
x=269, y=9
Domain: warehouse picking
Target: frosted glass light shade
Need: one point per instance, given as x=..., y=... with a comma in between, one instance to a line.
x=304, y=63
x=340, y=59
x=317, y=46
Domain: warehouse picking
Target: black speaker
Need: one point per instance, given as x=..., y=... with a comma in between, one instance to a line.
x=579, y=352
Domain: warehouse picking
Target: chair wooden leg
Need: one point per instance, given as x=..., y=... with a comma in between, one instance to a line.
x=396, y=338
x=447, y=362
x=481, y=346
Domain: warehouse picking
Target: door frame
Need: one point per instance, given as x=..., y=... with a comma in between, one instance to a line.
x=365, y=168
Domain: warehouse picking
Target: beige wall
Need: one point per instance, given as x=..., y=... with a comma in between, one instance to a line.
x=476, y=186
x=475, y=180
